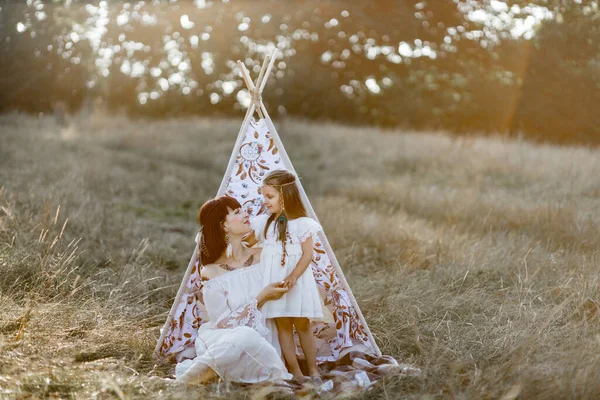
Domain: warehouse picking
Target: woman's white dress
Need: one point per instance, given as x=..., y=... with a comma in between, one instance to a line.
x=303, y=299
x=237, y=342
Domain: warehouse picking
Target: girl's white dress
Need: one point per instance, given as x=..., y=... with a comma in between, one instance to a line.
x=237, y=342
x=303, y=300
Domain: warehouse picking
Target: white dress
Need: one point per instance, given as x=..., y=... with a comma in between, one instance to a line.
x=236, y=342
x=303, y=300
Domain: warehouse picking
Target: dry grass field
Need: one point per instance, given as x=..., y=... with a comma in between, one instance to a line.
x=475, y=259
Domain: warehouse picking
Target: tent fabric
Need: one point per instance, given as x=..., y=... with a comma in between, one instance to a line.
x=259, y=150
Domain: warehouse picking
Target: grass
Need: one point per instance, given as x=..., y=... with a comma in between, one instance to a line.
x=475, y=259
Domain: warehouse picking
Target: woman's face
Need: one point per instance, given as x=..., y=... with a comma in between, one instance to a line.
x=237, y=222
x=271, y=199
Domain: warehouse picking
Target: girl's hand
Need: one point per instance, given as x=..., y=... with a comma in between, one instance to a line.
x=249, y=240
x=290, y=281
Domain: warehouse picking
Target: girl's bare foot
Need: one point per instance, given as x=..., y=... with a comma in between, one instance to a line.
x=316, y=379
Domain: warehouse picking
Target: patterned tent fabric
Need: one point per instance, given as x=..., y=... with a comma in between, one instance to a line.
x=259, y=150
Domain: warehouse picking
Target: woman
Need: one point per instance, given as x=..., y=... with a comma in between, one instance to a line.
x=236, y=344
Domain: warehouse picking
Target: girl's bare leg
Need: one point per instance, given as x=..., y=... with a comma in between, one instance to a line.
x=307, y=341
x=288, y=347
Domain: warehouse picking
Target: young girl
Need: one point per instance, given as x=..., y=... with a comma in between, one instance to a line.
x=287, y=235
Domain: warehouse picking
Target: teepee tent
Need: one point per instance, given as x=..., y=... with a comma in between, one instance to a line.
x=258, y=149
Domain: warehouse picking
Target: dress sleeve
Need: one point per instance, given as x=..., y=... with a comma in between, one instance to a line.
x=258, y=226
x=224, y=317
x=308, y=227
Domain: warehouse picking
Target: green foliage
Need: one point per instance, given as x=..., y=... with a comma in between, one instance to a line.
x=561, y=91
x=414, y=64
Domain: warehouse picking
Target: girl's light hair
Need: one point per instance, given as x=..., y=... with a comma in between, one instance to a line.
x=285, y=182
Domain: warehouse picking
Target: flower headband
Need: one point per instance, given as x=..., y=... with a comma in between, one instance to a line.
x=280, y=185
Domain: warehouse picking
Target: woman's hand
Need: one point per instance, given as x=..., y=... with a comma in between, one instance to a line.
x=272, y=291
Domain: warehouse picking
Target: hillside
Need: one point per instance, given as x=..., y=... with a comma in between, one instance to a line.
x=475, y=259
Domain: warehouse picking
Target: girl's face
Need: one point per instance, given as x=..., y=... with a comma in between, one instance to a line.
x=271, y=199
x=236, y=222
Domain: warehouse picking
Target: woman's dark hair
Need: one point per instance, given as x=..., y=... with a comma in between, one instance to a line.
x=211, y=217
